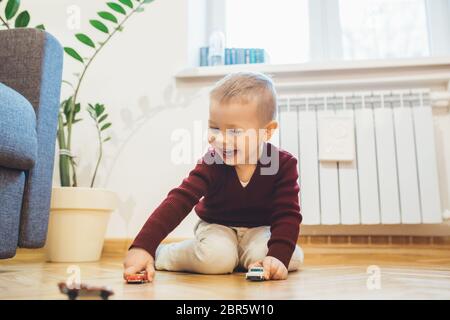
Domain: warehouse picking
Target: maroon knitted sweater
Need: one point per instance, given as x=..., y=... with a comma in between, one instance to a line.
x=267, y=200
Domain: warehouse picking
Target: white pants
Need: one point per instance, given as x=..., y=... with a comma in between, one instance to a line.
x=219, y=249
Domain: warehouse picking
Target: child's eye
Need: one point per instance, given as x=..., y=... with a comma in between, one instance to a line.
x=214, y=130
x=235, y=131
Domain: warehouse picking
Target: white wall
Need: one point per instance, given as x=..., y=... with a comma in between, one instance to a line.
x=134, y=77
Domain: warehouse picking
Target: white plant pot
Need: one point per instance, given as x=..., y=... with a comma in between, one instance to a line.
x=77, y=225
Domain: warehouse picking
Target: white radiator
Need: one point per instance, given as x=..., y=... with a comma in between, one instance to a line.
x=392, y=178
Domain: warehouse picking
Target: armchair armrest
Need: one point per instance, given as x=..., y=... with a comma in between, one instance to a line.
x=31, y=63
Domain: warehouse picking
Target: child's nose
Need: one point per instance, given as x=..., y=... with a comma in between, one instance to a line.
x=220, y=139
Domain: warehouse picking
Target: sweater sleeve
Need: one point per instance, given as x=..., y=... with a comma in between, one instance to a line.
x=174, y=208
x=286, y=217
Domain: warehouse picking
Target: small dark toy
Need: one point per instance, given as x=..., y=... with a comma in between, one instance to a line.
x=82, y=290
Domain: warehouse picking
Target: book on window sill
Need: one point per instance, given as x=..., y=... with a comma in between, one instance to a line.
x=235, y=56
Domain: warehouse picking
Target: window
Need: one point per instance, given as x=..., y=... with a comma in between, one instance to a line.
x=383, y=29
x=259, y=23
x=295, y=31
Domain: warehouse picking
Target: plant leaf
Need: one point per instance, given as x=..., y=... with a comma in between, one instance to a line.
x=99, y=26
x=117, y=7
x=69, y=84
x=11, y=9
x=91, y=111
x=106, y=126
x=108, y=16
x=128, y=3
x=85, y=39
x=40, y=27
x=22, y=20
x=91, y=108
x=99, y=109
x=73, y=53
x=102, y=118
x=65, y=106
x=106, y=139
x=66, y=111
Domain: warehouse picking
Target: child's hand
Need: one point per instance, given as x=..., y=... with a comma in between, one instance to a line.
x=138, y=260
x=274, y=269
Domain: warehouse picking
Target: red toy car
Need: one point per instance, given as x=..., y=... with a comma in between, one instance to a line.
x=137, y=278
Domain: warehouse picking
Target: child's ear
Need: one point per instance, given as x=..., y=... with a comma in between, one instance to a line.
x=270, y=129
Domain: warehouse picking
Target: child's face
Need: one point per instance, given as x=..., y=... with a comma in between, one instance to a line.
x=236, y=131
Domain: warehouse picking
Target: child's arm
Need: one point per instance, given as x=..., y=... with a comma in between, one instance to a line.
x=286, y=217
x=167, y=216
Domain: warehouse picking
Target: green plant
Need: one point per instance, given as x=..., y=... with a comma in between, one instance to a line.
x=99, y=116
x=13, y=14
x=71, y=107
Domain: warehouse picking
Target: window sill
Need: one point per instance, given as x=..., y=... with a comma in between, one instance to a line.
x=292, y=70
x=336, y=75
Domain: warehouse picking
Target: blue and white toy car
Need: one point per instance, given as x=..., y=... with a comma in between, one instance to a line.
x=255, y=274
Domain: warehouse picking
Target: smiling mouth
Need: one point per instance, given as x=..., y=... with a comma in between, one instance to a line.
x=229, y=153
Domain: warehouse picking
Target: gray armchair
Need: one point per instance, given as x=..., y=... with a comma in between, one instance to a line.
x=30, y=84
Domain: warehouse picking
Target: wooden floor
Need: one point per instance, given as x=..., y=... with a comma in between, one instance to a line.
x=329, y=272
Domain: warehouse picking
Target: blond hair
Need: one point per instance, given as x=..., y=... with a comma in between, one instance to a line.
x=247, y=87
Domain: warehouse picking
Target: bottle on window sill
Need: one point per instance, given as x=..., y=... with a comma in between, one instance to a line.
x=216, y=55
